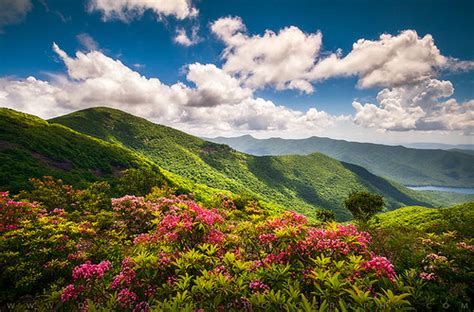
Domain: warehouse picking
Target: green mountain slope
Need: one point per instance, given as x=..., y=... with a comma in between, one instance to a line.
x=32, y=147
x=457, y=218
x=404, y=165
x=299, y=182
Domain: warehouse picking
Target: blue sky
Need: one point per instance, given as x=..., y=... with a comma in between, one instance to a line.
x=144, y=42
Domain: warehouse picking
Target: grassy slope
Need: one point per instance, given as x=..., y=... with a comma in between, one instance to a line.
x=31, y=147
x=404, y=165
x=299, y=182
x=431, y=219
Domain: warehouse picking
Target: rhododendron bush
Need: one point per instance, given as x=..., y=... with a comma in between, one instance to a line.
x=172, y=253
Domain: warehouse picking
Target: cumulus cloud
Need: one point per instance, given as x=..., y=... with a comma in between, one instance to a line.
x=13, y=11
x=423, y=106
x=126, y=10
x=387, y=62
x=214, y=87
x=215, y=101
x=280, y=59
x=291, y=59
x=185, y=40
x=87, y=41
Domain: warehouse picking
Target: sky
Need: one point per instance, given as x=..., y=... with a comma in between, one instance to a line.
x=370, y=71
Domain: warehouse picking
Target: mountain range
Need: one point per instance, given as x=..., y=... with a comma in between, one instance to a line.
x=407, y=166
x=98, y=143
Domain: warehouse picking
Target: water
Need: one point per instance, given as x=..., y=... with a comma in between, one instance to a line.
x=463, y=190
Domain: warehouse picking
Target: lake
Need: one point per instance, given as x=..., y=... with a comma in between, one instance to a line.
x=463, y=190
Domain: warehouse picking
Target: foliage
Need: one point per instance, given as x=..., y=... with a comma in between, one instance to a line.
x=171, y=253
x=325, y=215
x=363, y=205
x=139, y=181
x=437, y=245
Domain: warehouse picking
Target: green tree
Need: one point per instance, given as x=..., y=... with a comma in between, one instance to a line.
x=139, y=182
x=364, y=205
x=325, y=215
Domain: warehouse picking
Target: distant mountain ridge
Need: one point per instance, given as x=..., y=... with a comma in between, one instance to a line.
x=404, y=165
x=465, y=147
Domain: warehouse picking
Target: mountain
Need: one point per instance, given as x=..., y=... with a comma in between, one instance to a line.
x=299, y=182
x=469, y=147
x=32, y=147
x=404, y=165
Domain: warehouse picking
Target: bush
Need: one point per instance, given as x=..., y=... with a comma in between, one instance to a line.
x=363, y=205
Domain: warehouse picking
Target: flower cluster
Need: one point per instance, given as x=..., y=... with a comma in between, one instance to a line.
x=88, y=270
x=257, y=286
x=381, y=266
x=134, y=213
x=13, y=212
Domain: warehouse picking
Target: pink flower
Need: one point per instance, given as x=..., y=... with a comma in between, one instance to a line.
x=257, y=285
x=143, y=306
x=267, y=238
x=214, y=237
x=171, y=280
x=381, y=266
x=126, y=298
x=69, y=293
x=88, y=270
x=427, y=276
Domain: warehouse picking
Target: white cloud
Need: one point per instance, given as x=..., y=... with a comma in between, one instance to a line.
x=388, y=62
x=126, y=10
x=457, y=65
x=217, y=102
x=291, y=59
x=422, y=106
x=280, y=59
x=13, y=11
x=87, y=41
x=183, y=38
x=214, y=87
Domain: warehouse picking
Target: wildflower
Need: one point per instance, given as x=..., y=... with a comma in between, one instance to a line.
x=427, y=276
x=381, y=266
x=267, y=238
x=126, y=298
x=69, y=293
x=214, y=237
x=143, y=306
x=88, y=270
x=257, y=285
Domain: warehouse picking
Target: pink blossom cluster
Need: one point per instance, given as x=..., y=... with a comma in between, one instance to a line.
x=126, y=276
x=343, y=239
x=89, y=270
x=465, y=246
x=70, y=292
x=145, y=238
x=381, y=265
x=266, y=238
x=257, y=286
x=12, y=212
x=281, y=257
x=214, y=237
x=171, y=280
x=58, y=211
x=143, y=306
x=134, y=212
x=127, y=298
x=180, y=218
x=289, y=218
x=206, y=216
x=427, y=276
